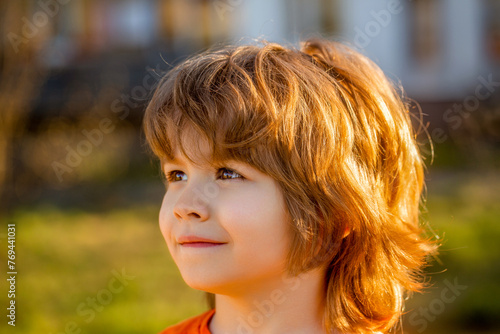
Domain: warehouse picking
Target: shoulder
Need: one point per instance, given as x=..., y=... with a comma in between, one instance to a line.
x=195, y=325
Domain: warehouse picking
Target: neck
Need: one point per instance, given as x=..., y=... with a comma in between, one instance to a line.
x=288, y=305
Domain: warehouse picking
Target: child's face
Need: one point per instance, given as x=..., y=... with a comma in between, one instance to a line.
x=247, y=216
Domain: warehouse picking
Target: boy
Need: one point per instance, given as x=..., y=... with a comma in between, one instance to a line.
x=293, y=184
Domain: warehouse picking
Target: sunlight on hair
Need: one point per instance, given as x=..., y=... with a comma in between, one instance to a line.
x=331, y=129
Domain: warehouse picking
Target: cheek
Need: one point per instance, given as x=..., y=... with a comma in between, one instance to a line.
x=164, y=219
x=259, y=225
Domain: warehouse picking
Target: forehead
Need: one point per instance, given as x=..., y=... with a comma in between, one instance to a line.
x=189, y=145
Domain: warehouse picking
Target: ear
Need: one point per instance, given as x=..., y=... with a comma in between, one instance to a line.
x=347, y=231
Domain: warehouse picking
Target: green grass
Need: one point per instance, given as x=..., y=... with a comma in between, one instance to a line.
x=464, y=211
x=63, y=258
x=67, y=256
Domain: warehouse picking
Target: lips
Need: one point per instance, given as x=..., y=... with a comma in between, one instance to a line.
x=196, y=241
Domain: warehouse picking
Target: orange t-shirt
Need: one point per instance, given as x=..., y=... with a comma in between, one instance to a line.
x=194, y=325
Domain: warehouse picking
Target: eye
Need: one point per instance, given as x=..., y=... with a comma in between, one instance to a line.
x=176, y=175
x=228, y=174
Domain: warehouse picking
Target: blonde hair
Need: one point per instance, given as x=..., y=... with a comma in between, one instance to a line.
x=330, y=128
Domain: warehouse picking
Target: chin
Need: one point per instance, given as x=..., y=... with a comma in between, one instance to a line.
x=215, y=286
x=201, y=282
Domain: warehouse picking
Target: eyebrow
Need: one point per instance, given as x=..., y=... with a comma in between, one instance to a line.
x=181, y=162
x=173, y=161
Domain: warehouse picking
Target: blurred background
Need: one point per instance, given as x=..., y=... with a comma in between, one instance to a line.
x=77, y=181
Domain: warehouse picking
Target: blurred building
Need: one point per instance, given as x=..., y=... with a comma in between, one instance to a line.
x=74, y=63
x=438, y=48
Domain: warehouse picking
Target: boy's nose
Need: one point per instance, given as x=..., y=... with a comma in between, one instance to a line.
x=192, y=204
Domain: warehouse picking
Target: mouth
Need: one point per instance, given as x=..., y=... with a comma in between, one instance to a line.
x=195, y=241
x=201, y=244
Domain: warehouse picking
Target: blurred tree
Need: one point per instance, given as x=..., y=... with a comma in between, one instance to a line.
x=329, y=24
x=206, y=24
x=20, y=80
